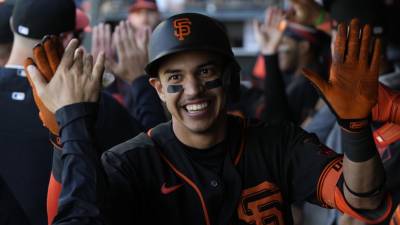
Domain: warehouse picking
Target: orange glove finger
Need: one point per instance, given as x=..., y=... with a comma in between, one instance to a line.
x=340, y=44
x=364, y=49
x=353, y=42
x=376, y=57
x=51, y=51
x=42, y=62
x=58, y=45
x=45, y=115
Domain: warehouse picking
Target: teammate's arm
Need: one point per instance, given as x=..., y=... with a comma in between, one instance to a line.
x=269, y=36
x=76, y=113
x=351, y=92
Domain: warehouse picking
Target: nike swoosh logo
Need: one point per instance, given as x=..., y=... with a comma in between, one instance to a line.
x=168, y=190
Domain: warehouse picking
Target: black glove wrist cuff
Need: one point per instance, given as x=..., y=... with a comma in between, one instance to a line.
x=353, y=125
x=358, y=146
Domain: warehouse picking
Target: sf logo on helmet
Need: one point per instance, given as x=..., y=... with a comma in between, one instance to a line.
x=182, y=28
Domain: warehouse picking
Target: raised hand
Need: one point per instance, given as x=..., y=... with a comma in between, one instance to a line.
x=306, y=12
x=269, y=33
x=46, y=55
x=351, y=90
x=75, y=80
x=102, y=42
x=131, y=46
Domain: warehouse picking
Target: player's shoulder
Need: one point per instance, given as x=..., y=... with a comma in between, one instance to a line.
x=281, y=127
x=135, y=151
x=141, y=142
x=278, y=132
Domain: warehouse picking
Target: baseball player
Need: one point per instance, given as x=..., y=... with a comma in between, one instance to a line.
x=6, y=36
x=204, y=166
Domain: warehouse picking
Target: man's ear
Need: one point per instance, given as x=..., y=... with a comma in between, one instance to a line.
x=11, y=24
x=156, y=83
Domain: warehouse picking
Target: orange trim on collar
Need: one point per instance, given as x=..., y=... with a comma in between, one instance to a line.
x=243, y=142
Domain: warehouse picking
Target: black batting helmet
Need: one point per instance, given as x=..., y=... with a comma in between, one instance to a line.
x=193, y=31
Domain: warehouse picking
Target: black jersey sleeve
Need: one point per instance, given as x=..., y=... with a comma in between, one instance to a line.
x=301, y=159
x=276, y=100
x=310, y=171
x=79, y=176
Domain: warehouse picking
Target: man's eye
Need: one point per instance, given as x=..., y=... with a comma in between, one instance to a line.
x=173, y=77
x=207, y=71
x=204, y=71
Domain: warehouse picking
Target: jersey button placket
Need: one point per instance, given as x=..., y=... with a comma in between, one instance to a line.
x=214, y=183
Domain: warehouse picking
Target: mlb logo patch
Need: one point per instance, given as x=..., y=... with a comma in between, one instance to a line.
x=23, y=30
x=18, y=96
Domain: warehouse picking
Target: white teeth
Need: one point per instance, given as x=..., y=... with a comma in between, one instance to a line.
x=196, y=107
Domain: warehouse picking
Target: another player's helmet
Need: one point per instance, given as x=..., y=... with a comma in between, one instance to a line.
x=192, y=31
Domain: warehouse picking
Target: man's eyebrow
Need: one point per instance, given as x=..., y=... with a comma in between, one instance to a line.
x=209, y=63
x=172, y=71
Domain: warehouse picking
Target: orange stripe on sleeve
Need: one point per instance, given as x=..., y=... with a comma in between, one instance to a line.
x=327, y=182
x=331, y=196
x=344, y=207
x=53, y=194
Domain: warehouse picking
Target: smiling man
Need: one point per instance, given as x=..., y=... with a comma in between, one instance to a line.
x=204, y=166
x=190, y=85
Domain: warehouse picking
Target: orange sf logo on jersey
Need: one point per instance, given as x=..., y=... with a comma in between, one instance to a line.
x=261, y=205
x=182, y=28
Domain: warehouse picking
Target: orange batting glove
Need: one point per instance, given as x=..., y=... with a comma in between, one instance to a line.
x=352, y=88
x=46, y=57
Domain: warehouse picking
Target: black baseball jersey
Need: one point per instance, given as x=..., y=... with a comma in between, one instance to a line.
x=151, y=179
x=26, y=152
x=25, y=161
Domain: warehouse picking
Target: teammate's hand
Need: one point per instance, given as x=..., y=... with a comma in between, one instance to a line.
x=131, y=46
x=269, y=34
x=47, y=56
x=75, y=80
x=352, y=88
x=102, y=42
x=306, y=12
x=388, y=107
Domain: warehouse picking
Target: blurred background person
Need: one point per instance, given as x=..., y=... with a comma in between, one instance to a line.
x=144, y=13
x=126, y=56
x=287, y=48
x=26, y=158
x=6, y=35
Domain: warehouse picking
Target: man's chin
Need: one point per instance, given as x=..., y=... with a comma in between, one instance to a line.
x=200, y=129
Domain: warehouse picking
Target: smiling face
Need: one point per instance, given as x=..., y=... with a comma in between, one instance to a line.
x=184, y=85
x=144, y=17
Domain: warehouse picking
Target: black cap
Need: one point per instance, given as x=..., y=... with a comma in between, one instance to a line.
x=185, y=32
x=367, y=11
x=6, y=34
x=37, y=18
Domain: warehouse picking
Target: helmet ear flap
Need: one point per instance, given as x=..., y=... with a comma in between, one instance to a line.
x=231, y=81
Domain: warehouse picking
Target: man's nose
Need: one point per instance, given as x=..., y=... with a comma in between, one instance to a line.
x=193, y=86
